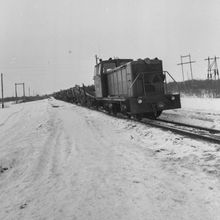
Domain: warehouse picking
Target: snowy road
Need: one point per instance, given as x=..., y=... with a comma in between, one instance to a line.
x=61, y=161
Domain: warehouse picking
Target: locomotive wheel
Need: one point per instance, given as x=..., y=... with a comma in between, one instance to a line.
x=158, y=113
x=115, y=109
x=138, y=117
x=114, y=112
x=153, y=115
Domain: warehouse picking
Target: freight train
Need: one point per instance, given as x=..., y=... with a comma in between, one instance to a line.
x=136, y=88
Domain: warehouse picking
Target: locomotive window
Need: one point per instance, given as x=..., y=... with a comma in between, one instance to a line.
x=108, y=66
x=97, y=70
x=123, y=62
x=158, y=78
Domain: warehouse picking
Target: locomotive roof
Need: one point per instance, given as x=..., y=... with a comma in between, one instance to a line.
x=116, y=60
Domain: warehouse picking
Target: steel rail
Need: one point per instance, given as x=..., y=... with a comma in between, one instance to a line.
x=200, y=133
x=176, y=127
x=197, y=132
x=211, y=130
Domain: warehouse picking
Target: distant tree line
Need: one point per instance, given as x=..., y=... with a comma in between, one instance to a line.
x=25, y=99
x=199, y=88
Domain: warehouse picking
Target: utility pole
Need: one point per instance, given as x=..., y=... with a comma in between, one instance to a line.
x=182, y=67
x=216, y=72
x=212, y=72
x=16, y=94
x=23, y=90
x=2, y=90
x=189, y=62
x=29, y=91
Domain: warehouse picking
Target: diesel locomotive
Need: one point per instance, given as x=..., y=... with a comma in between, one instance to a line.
x=133, y=87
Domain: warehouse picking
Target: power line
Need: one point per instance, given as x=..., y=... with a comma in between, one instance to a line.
x=183, y=63
x=16, y=94
x=212, y=71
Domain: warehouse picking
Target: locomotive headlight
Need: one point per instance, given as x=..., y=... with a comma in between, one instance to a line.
x=172, y=98
x=140, y=101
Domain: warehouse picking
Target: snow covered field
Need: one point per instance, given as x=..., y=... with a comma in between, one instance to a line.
x=198, y=111
x=61, y=161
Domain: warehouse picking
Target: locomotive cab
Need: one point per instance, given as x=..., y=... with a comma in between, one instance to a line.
x=100, y=74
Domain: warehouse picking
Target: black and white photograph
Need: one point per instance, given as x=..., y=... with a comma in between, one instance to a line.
x=109, y=110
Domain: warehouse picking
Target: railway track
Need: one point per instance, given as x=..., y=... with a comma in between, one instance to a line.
x=193, y=131
x=207, y=134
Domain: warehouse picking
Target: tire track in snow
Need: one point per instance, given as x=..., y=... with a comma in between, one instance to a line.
x=10, y=116
x=84, y=165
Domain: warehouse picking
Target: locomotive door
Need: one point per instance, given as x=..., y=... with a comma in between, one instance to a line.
x=98, y=81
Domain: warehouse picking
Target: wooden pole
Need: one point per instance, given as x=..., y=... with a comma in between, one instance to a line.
x=23, y=89
x=16, y=94
x=182, y=68
x=190, y=63
x=2, y=90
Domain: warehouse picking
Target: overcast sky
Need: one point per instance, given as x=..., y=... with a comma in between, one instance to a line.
x=50, y=44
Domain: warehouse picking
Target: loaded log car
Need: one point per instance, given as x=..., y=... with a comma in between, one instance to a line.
x=84, y=95
x=136, y=88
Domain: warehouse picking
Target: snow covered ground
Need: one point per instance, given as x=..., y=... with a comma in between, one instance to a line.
x=61, y=161
x=198, y=111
